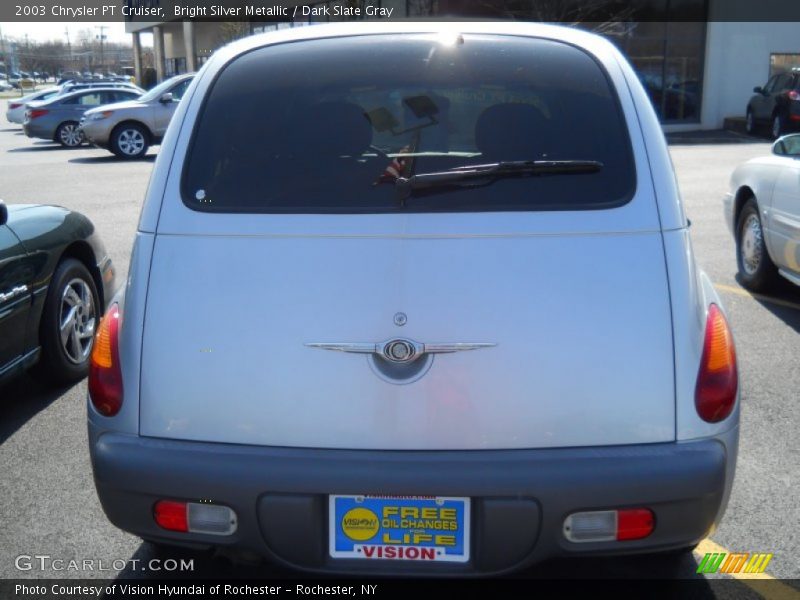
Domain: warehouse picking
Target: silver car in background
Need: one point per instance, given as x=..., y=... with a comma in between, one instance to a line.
x=128, y=129
x=463, y=326
x=57, y=119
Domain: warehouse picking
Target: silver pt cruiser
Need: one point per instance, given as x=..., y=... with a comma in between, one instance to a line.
x=423, y=302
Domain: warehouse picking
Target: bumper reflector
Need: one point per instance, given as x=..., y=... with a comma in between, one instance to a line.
x=195, y=517
x=609, y=525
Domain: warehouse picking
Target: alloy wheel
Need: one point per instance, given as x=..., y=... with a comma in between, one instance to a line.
x=77, y=320
x=131, y=142
x=70, y=135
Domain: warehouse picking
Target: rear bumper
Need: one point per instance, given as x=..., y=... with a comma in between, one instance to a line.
x=34, y=130
x=519, y=497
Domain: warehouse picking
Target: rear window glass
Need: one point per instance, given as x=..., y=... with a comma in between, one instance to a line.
x=331, y=125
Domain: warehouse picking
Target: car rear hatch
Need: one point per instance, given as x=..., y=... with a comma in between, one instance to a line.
x=540, y=302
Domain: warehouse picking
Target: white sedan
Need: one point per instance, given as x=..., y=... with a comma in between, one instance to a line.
x=763, y=213
x=15, y=113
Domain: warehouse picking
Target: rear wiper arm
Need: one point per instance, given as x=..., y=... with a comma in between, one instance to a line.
x=480, y=175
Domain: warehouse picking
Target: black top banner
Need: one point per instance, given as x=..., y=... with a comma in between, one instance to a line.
x=557, y=11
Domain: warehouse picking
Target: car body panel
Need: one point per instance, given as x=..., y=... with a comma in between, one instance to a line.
x=774, y=181
x=17, y=114
x=570, y=381
x=774, y=99
x=154, y=116
x=219, y=308
x=15, y=296
x=60, y=111
x=44, y=233
x=783, y=220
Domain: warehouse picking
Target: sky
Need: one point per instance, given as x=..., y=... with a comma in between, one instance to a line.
x=42, y=32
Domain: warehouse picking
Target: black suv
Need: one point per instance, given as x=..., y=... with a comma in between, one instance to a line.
x=777, y=103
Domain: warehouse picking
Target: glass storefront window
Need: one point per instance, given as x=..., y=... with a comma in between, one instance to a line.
x=781, y=63
x=668, y=58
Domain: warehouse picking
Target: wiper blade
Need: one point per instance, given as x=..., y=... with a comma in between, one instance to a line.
x=480, y=175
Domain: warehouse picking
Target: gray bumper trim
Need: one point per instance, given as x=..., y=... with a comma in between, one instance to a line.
x=683, y=483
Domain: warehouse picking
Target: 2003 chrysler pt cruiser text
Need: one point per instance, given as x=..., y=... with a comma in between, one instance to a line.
x=424, y=302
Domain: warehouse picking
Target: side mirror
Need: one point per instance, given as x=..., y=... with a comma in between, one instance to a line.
x=758, y=89
x=3, y=213
x=788, y=145
x=166, y=98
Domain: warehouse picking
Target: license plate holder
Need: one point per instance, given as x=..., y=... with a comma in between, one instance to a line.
x=405, y=528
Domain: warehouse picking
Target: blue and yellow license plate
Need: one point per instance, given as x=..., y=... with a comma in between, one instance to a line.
x=427, y=528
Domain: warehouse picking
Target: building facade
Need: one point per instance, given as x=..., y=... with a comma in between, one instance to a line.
x=697, y=71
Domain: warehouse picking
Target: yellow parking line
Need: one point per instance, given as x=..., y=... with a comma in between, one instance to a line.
x=741, y=292
x=763, y=584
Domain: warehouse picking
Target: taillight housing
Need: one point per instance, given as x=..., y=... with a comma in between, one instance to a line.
x=105, y=374
x=619, y=525
x=35, y=113
x=794, y=95
x=718, y=378
x=195, y=517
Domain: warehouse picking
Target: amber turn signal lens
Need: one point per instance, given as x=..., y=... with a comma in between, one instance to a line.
x=105, y=375
x=717, y=380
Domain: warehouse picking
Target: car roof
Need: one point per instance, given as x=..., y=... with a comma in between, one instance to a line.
x=92, y=91
x=571, y=35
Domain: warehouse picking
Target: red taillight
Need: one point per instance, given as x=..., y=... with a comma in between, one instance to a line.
x=717, y=381
x=171, y=515
x=634, y=524
x=39, y=112
x=14, y=105
x=794, y=95
x=105, y=375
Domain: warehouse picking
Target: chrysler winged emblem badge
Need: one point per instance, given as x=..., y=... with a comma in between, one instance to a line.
x=398, y=350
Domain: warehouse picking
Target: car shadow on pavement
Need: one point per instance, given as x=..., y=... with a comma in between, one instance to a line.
x=12, y=129
x=89, y=160
x=22, y=399
x=783, y=301
x=713, y=137
x=150, y=562
x=42, y=148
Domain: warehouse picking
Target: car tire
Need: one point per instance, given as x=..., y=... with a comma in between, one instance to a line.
x=750, y=122
x=757, y=272
x=70, y=317
x=68, y=135
x=129, y=141
x=778, y=126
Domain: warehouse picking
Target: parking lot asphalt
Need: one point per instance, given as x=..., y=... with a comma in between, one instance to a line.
x=48, y=504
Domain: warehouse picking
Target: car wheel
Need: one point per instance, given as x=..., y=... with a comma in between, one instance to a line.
x=68, y=135
x=756, y=269
x=69, y=319
x=750, y=122
x=778, y=126
x=129, y=141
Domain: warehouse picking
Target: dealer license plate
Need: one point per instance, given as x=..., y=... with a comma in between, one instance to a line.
x=422, y=528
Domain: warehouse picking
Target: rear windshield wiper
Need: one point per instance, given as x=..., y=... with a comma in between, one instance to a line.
x=480, y=175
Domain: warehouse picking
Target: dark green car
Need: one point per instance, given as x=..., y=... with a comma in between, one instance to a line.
x=55, y=280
